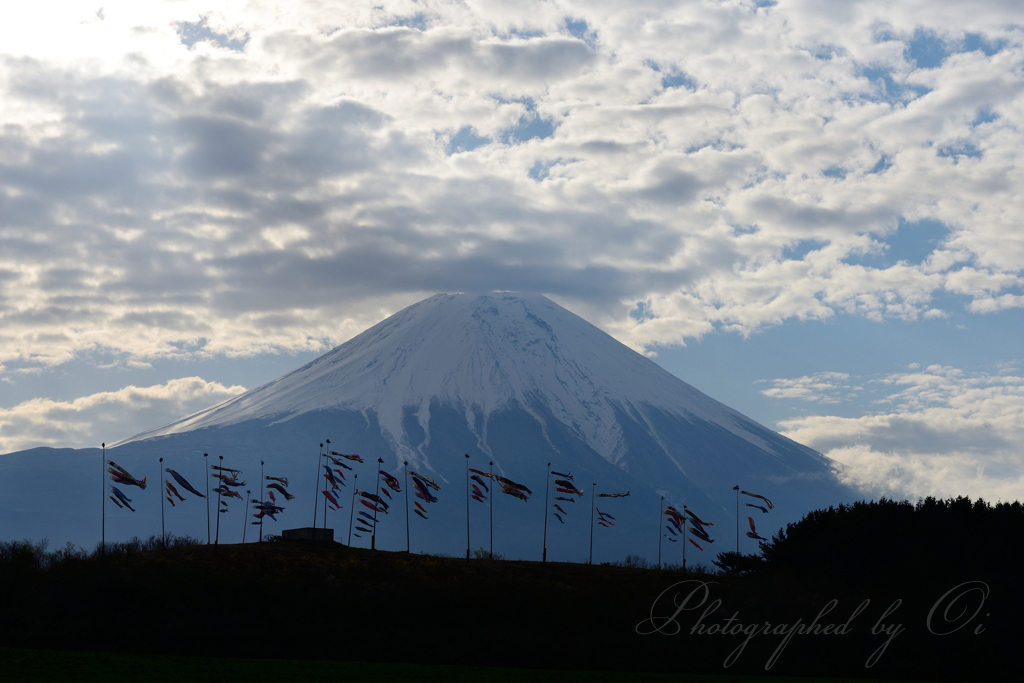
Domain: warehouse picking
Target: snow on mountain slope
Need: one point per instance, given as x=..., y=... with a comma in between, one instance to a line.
x=481, y=354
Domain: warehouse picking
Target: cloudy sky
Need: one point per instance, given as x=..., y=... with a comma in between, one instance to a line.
x=811, y=211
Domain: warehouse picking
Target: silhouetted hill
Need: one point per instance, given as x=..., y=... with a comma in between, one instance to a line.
x=859, y=591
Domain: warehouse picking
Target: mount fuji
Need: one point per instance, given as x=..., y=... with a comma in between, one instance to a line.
x=515, y=382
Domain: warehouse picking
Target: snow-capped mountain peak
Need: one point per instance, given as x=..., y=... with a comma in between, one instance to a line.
x=479, y=353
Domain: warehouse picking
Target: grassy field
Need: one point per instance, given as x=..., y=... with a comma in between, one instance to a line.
x=58, y=666
x=299, y=610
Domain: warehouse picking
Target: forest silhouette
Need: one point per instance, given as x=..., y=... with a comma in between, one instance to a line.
x=927, y=590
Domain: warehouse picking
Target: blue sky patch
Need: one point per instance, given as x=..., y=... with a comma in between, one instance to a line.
x=884, y=162
x=540, y=169
x=641, y=312
x=801, y=249
x=672, y=77
x=975, y=42
x=192, y=32
x=984, y=116
x=912, y=242
x=416, y=21
x=960, y=149
x=826, y=52
x=888, y=89
x=579, y=29
x=528, y=128
x=678, y=79
x=465, y=140
x=526, y=33
x=531, y=125
x=927, y=50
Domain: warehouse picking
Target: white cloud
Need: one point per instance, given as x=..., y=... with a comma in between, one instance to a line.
x=946, y=433
x=181, y=183
x=106, y=416
x=822, y=387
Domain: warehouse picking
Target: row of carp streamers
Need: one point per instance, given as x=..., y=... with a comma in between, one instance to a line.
x=227, y=476
x=423, y=486
x=508, y=486
x=228, y=482
x=677, y=524
x=120, y=475
x=376, y=502
x=171, y=492
x=603, y=518
x=750, y=520
x=270, y=508
x=335, y=476
x=564, y=485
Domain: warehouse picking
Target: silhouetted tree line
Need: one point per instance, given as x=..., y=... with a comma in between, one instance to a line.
x=939, y=565
x=301, y=600
x=900, y=541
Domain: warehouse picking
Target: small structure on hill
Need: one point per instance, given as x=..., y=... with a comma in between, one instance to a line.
x=308, y=534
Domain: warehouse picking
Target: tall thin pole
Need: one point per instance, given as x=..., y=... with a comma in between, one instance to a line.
x=467, y=507
x=593, y=497
x=103, y=494
x=245, y=515
x=661, y=509
x=352, y=507
x=163, y=534
x=684, y=543
x=737, y=490
x=376, y=493
x=316, y=484
x=206, y=463
x=547, y=485
x=216, y=539
x=490, y=504
x=262, y=496
x=328, y=442
x=405, y=475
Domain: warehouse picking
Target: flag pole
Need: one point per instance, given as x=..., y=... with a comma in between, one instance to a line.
x=245, y=516
x=547, y=485
x=736, y=488
x=593, y=490
x=103, y=494
x=316, y=484
x=216, y=539
x=262, y=496
x=684, y=543
x=163, y=534
x=467, y=507
x=660, y=532
x=405, y=475
x=328, y=441
x=206, y=463
x=376, y=493
x=352, y=507
x=490, y=503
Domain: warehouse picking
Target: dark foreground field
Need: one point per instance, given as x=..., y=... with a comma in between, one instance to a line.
x=333, y=610
x=43, y=666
